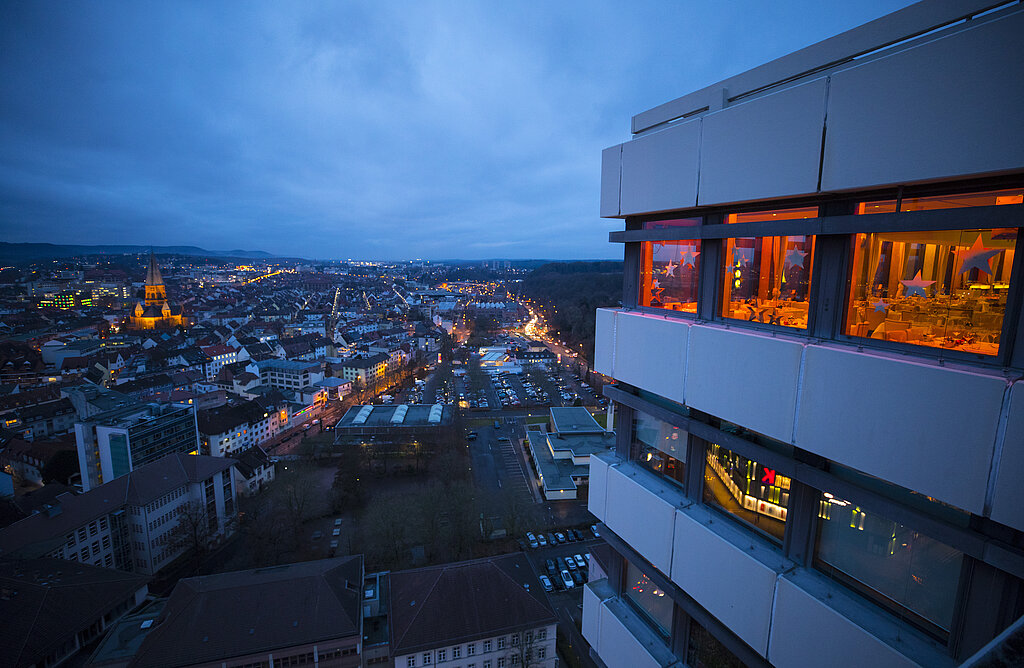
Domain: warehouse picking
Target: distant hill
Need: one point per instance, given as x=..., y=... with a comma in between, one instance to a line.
x=21, y=253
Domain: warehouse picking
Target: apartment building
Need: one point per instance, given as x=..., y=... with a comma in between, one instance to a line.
x=471, y=614
x=291, y=375
x=114, y=443
x=819, y=357
x=229, y=429
x=133, y=523
x=219, y=355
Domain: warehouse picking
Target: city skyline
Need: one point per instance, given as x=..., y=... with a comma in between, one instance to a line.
x=378, y=132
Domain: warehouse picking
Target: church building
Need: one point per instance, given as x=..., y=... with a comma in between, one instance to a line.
x=155, y=312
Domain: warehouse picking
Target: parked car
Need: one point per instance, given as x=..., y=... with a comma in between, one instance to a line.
x=580, y=561
x=593, y=527
x=550, y=566
x=546, y=583
x=567, y=579
x=577, y=577
x=578, y=534
x=570, y=563
x=532, y=540
x=541, y=540
x=552, y=540
x=337, y=521
x=560, y=537
x=569, y=537
x=336, y=532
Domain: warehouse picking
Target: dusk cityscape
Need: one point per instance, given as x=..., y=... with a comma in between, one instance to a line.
x=528, y=335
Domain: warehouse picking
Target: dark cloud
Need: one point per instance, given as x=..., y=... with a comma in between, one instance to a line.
x=364, y=130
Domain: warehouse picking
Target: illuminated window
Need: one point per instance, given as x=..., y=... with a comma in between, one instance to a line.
x=771, y=215
x=954, y=201
x=752, y=492
x=767, y=279
x=914, y=575
x=944, y=289
x=660, y=447
x=669, y=274
x=650, y=600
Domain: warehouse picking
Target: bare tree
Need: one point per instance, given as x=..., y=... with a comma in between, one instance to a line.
x=194, y=531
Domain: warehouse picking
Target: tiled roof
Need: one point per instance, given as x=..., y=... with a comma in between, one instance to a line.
x=216, y=617
x=465, y=601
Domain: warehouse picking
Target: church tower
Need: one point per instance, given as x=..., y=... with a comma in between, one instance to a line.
x=155, y=311
x=156, y=291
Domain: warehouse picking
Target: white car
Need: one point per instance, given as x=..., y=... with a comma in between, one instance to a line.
x=532, y=540
x=579, y=561
x=567, y=579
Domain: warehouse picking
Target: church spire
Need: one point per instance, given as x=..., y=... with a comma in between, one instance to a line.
x=153, y=276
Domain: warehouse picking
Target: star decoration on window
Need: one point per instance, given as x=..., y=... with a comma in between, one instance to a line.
x=742, y=255
x=656, y=289
x=795, y=258
x=881, y=306
x=670, y=269
x=978, y=257
x=916, y=285
x=689, y=257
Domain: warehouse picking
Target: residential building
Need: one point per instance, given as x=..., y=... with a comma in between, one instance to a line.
x=289, y=375
x=253, y=470
x=819, y=357
x=219, y=355
x=139, y=522
x=52, y=609
x=366, y=370
x=488, y=613
x=230, y=429
x=114, y=443
x=306, y=613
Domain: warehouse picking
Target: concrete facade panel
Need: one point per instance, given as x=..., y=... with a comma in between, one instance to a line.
x=745, y=377
x=598, y=487
x=604, y=346
x=619, y=648
x=650, y=352
x=659, y=171
x=768, y=147
x=902, y=118
x=806, y=632
x=730, y=584
x=1008, y=497
x=641, y=517
x=905, y=422
x=611, y=161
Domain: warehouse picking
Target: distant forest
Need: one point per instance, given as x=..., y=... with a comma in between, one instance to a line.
x=572, y=292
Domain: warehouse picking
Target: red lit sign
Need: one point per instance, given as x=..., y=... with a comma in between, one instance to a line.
x=769, y=476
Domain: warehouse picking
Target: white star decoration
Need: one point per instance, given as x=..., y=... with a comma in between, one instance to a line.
x=795, y=258
x=670, y=268
x=689, y=257
x=916, y=285
x=978, y=257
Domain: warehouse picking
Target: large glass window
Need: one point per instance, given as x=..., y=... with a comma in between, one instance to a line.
x=952, y=201
x=660, y=447
x=752, y=492
x=705, y=651
x=652, y=602
x=767, y=279
x=945, y=289
x=772, y=214
x=913, y=575
x=669, y=274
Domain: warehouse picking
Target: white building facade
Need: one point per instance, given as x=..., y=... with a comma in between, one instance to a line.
x=819, y=357
x=532, y=647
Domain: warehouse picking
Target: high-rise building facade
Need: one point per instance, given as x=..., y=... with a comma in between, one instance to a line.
x=114, y=443
x=819, y=357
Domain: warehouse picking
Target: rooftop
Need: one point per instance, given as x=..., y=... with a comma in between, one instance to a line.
x=574, y=420
x=413, y=415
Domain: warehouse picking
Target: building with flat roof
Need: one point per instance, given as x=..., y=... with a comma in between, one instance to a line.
x=377, y=419
x=114, y=443
x=561, y=456
x=819, y=357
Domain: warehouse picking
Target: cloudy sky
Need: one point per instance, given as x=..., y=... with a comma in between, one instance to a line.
x=376, y=130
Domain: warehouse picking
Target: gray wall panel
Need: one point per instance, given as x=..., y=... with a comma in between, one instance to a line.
x=611, y=161
x=659, y=171
x=948, y=108
x=768, y=147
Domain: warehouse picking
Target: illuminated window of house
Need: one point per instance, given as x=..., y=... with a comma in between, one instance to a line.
x=660, y=447
x=772, y=215
x=754, y=493
x=669, y=270
x=767, y=279
x=650, y=600
x=944, y=289
x=911, y=574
